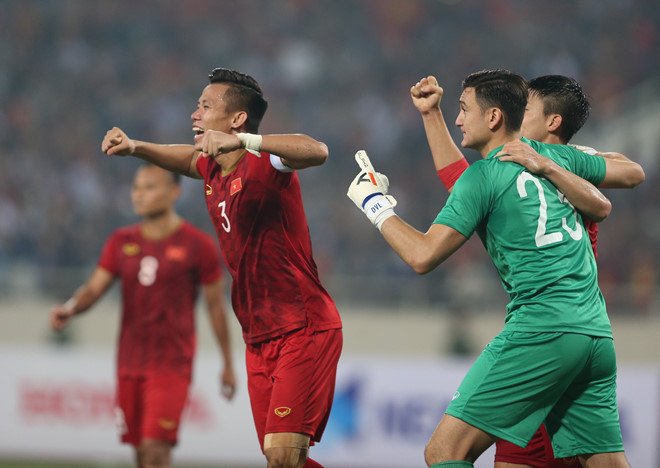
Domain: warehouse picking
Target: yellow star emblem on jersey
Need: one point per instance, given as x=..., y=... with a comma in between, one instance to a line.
x=209, y=189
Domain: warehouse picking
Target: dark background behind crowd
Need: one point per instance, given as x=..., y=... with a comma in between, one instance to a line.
x=337, y=70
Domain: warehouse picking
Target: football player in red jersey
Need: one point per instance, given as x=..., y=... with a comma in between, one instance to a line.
x=556, y=109
x=290, y=324
x=161, y=262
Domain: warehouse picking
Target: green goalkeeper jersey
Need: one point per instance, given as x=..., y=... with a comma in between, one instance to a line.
x=536, y=240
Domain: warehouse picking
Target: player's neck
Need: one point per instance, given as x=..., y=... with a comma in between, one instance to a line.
x=160, y=226
x=498, y=139
x=553, y=139
x=229, y=161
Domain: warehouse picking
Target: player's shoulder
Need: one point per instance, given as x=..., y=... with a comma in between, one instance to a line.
x=199, y=237
x=481, y=166
x=547, y=149
x=126, y=232
x=475, y=175
x=270, y=163
x=563, y=155
x=197, y=241
x=189, y=229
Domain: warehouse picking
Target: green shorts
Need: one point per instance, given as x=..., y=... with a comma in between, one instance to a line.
x=522, y=379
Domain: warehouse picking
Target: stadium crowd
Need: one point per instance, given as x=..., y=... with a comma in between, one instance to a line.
x=338, y=70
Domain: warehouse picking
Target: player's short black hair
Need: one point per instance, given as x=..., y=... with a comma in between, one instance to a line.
x=564, y=96
x=244, y=93
x=503, y=89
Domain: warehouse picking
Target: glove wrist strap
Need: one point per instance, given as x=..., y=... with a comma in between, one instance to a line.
x=378, y=208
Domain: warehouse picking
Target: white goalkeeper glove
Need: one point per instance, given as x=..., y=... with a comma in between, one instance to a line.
x=369, y=192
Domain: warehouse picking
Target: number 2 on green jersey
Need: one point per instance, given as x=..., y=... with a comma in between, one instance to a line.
x=542, y=238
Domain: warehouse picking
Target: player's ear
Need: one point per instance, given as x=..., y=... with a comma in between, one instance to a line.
x=495, y=118
x=176, y=192
x=554, y=122
x=239, y=119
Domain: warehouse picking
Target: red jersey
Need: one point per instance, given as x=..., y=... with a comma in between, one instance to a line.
x=160, y=281
x=592, y=229
x=538, y=452
x=264, y=239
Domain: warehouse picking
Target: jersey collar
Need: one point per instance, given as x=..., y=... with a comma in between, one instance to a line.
x=497, y=150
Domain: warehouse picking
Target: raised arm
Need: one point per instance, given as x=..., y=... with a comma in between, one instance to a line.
x=426, y=96
x=176, y=158
x=583, y=195
x=214, y=296
x=84, y=298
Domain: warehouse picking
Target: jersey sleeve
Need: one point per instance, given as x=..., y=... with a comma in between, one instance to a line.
x=468, y=203
x=590, y=167
x=202, y=165
x=277, y=163
x=109, y=255
x=210, y=265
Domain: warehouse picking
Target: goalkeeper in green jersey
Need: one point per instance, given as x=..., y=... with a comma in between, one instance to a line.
x=556, y=110
x=554, y=360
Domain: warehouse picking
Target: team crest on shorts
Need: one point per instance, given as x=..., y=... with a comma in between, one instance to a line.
x=282, y=411
x=167, y=424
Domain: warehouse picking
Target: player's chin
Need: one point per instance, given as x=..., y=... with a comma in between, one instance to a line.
x=141, y=211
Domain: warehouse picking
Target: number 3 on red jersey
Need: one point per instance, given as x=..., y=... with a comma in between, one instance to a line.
x=225, y=223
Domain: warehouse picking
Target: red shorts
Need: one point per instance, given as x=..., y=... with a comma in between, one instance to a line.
x=150, y=407
x=291, y=382
x=538, y=453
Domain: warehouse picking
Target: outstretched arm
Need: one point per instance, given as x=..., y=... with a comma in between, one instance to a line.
x=176, y=158
x=296, y=151
x=84, y=298
x=426, y=96
x=214, y=295
x=584, y=196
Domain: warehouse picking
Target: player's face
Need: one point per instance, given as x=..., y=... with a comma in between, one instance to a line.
x=211, y=112
x=154, y=192
x=472, y=121
x=535, y=122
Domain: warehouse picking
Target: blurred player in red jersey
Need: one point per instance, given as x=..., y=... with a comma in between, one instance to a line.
x=556, y=109
x=162, y=262
x=290, y=323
